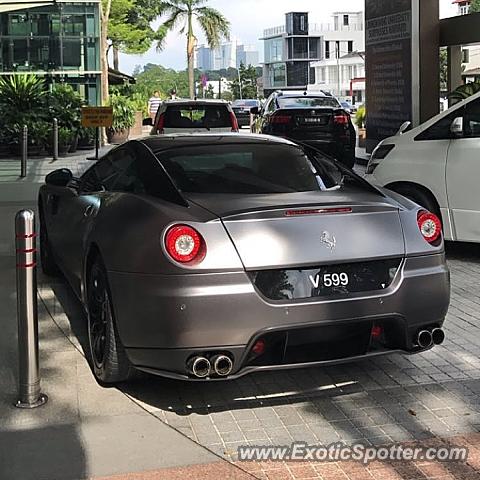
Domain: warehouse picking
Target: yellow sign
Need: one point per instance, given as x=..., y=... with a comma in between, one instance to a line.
x=97, y=116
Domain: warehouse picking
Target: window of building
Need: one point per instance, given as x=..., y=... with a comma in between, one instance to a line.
x=345, y=21
x=327, y=49
x=464, y=9
x=350, y=46
x=302, y=23
x=313, y=45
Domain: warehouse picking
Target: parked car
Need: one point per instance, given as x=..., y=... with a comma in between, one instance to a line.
x=317, y=119
x=241, y=108
x=194, y=116
x=437, y=166
x=212, y=256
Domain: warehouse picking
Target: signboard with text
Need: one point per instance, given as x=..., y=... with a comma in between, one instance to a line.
x=388, y=44
x=97, y=116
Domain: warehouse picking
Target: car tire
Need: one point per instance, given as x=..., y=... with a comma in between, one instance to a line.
x=418, y=196
x=348, y=159
x=109, y=360
x=47, y=261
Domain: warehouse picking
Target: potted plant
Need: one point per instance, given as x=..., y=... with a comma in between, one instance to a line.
x=123, y=119
x=86, y=138
x=360, y=118
x=64, y=141
x=65, y=104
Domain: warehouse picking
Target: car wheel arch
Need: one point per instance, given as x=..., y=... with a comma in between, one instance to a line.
x=93, y=253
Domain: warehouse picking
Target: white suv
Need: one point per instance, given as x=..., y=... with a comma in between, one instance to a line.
x=437, y=165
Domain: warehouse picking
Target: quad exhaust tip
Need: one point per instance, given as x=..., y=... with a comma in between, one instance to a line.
x=200, y=367
x=424, y=339
x=222, y=365
x=438, y=336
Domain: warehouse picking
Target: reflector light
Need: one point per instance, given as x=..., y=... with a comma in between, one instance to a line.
x=377, y=331
x=259, y=347
x=280, y=119
x=341, y=119
x=234, y=121
x=183, y=243
x=161, y=123
x=318, y=211
x=429, y=225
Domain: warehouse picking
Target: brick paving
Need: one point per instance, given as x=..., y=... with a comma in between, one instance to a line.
x=425, y=398
x=377, y=402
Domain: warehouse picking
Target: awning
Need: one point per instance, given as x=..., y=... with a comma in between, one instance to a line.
x=10, y=6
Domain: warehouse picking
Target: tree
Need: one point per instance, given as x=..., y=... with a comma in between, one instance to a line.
x=125, y=26
x=129, y=28
x=474, y=6
x=183, y=12
x=443, y=69
x=105, y=10
x=248, y=83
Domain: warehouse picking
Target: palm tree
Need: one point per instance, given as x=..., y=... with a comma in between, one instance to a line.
x=464, y=91
x=183, y=12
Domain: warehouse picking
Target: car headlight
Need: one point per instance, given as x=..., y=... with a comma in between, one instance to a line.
x=378, y=154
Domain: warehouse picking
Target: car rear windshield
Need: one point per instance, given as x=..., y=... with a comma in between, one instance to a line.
x=197, y=116
x=247, y=169
x=307, y=102
x=245, y=103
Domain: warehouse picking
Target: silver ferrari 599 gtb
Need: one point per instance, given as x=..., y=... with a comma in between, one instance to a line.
x=213, y=256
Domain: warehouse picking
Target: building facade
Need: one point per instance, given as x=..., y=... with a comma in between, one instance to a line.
x=470, y=54
x=345, y=77
x=227, y=55
x=292, y=50
x=59, y=41
x=248, y=55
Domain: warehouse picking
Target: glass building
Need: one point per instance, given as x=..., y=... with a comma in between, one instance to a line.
x=59, y=40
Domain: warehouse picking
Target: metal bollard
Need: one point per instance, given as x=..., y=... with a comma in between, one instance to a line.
x=29, y=395
x=55, y=139
x=23, y=167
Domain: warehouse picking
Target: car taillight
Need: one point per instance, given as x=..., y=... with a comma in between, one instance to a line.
x=429, y=225
x=184, y=244
x=161, y=123
x=341, y=119
x=233, y=119
x=280, y=119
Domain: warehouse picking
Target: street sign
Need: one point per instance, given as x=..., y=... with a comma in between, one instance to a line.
x=97, y=116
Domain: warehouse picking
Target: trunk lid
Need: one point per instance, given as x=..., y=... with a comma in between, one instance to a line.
x=280, y=231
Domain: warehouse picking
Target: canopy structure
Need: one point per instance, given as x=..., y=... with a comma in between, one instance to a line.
x=12, y=5
x=9, y=6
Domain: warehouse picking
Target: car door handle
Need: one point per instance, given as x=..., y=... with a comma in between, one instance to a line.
x=89, y=211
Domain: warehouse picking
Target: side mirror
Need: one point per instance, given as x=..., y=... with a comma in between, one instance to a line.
x=59, y=178
x=404, y=127
x=456, y=128
x=254, y=110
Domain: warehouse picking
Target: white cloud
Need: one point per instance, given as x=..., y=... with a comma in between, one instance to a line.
x=248, y=19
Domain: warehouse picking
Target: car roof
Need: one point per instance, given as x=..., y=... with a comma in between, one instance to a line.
x=189, y=101
x=163, y=142
x=302, y=93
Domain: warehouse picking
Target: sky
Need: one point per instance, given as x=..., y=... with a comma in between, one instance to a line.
x=248, y=19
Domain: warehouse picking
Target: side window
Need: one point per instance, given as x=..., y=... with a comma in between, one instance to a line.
x=471, y=120
x=128, y=179
x=99, y=177
x=441, y=129
x=270, y=108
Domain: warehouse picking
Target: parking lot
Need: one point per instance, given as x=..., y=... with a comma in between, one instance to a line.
x=381, y=401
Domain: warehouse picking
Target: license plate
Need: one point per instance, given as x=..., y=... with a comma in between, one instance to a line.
x=313, y=120
x=328, y=280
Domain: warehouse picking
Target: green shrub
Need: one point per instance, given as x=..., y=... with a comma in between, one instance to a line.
x=361, y=116
x=123, y=113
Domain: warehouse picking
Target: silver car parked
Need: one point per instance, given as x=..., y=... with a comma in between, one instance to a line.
x=212, y=256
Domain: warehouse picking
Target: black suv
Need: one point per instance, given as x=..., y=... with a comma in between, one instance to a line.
x=317, y=119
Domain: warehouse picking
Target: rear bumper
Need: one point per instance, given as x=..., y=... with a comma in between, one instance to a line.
x=164, y=320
